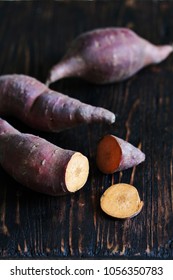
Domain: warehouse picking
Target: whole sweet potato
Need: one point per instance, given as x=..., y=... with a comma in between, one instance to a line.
x=107, y=55
x=40, y=165
x=38, y=106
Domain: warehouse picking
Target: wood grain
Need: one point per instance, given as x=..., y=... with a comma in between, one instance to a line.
x=34, y=35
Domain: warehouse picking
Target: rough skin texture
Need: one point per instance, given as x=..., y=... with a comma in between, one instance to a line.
x=34, y=162
x=35, y=104
x=107, y=55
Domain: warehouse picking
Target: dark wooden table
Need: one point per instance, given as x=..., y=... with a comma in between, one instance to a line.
x=35, y=35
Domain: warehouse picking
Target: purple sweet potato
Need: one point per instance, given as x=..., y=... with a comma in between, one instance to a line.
x=115, y=154
x=40, y=165
x=107, y=55
x=35, y=104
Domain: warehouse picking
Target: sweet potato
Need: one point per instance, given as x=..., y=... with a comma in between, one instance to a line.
x=115, y=154
x=107, y=55
x=41, y=108
x=40, y=165
x=121, y=201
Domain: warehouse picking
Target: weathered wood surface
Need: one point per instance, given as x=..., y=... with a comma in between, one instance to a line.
x=35, y=35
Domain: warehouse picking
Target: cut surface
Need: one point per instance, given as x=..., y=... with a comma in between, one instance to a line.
x=76, y=172
x=109, y=154
x=121, y=201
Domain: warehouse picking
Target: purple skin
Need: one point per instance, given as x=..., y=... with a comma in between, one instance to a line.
x=131, y=156
x=36, y=105
x=33, y=161
x=107, y=55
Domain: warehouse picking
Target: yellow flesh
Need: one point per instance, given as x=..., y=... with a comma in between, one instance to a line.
x=76, y=172
x=121, y=201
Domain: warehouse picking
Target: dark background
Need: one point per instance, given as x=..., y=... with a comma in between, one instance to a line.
x=33, y=37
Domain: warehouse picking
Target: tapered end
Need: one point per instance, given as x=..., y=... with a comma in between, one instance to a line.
x=156, y=54
x=164, y=52
x=131, y=156
x=54, y=74
x=107, y=116
x=103, y=115
x=67, y=67
x=91, y=114
x=48, y=82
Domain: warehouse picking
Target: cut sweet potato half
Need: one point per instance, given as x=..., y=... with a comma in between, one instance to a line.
x=115, y=154
x=121, y=201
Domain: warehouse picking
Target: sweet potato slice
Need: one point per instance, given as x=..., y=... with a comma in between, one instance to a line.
x=121, y=201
